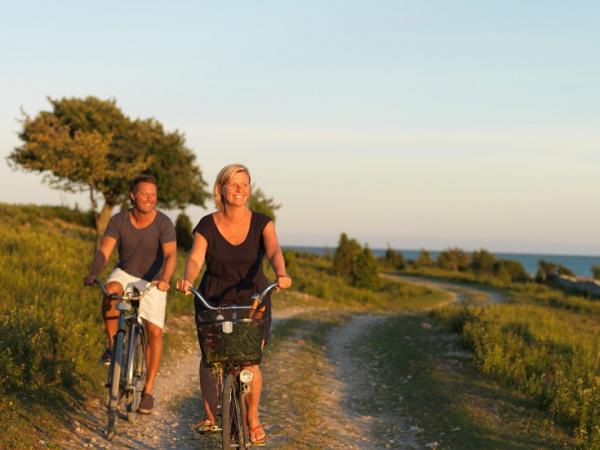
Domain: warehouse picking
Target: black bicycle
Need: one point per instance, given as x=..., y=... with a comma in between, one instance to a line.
x=127, y=370
x=231, y=339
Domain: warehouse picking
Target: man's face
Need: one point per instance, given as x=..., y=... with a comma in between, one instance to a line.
x=144, y=197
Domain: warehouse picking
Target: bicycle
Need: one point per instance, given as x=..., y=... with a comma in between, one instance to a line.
x=127, y=370
x=231, y=338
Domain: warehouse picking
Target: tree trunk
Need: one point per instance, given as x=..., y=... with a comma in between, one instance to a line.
x=102, y=222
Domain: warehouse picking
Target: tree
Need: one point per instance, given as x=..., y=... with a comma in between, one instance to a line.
x=393, y=260
x=454, y=259
x=424, y=259
x=596, y=271
x=259, y=202
x=546, y=270
x=365, y=273
x=483, y=261
x=345, y=255
x=183, y=230
x=90, y=145
x=510, y=270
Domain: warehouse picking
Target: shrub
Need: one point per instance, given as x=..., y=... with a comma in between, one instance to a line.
x=454, y=259
x=183, y=230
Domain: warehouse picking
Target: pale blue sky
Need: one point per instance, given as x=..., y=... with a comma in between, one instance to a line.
x=418, y=124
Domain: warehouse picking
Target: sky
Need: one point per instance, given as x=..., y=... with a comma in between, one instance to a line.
x=412, y=124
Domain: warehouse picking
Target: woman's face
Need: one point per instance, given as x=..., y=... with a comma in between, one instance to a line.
x=237, y=190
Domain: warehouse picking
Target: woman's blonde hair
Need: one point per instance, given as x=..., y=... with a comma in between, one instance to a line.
x=223, y=178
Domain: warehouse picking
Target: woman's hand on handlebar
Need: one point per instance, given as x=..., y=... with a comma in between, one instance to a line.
x=183, y=286
x=283, y=282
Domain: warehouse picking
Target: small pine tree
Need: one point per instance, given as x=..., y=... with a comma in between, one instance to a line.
x=345, y=255
x=183, y=231
x=596, y=271
x=365, y=273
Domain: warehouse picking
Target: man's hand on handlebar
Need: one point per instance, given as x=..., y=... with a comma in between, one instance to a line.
x=183, y=286
x=161, y=285
x=90, y=280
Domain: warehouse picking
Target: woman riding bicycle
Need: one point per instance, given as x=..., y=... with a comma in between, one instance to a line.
x=233, y=241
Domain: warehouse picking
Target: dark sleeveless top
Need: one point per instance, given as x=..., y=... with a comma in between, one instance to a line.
x=233, y=272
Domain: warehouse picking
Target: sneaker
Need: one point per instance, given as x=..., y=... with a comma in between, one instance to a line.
x=146, y=404
x=106, y=357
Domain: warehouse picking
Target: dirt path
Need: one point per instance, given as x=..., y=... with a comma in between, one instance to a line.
x=459, y=292
x=325, y=402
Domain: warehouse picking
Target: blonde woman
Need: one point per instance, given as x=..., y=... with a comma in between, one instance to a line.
x=232, y=242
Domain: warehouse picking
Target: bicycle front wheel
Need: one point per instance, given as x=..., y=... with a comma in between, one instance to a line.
x=233, y=420
x=136, y=371
x=114, y=385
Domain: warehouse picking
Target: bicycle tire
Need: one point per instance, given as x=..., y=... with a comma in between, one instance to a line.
x=233, y=427
x=114, y=385
x=136, y=370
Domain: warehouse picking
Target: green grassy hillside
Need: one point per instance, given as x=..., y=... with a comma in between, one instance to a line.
x=544, y=343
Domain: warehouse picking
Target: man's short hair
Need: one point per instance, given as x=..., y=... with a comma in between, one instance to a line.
x=144, y=178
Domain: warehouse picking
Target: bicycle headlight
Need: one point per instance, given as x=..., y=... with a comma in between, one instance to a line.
x=246, y=376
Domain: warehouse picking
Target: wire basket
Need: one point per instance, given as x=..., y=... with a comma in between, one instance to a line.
x=241, y=346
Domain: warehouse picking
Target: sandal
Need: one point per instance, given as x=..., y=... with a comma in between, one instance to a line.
x=258, y=440
x=206, y=426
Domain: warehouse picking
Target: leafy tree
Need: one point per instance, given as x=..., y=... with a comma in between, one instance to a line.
x=596, y=271
x=510, y=270
x=183, y=230
x=365, y=273
x=454, y=259
x=90, y=145
x=564, y=270
x=546, y=270
x=259, y=202
x=393, y=259
x=424, y=259
x=483, y=261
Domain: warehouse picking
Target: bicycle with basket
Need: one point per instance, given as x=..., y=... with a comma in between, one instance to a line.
x=231, y=339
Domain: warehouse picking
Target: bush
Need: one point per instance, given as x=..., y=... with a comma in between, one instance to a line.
x=454, y=259
x=424, y=259
x=183, y=230
x=365, y=273
x=483, y=262
x=510, y=271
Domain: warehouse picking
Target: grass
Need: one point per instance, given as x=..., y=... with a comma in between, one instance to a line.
x=446, y=398
x=544, y=344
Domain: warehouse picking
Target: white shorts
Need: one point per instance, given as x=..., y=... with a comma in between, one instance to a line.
x=152, y=305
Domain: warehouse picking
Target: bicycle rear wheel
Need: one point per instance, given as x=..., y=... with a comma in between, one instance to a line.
x=136, y=371
x=114, y=383
x=233, y=420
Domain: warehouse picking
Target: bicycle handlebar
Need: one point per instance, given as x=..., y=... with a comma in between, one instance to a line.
x=254, y=297
x=128, y=295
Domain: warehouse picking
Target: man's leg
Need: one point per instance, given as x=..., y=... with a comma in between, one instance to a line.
x=153, y=352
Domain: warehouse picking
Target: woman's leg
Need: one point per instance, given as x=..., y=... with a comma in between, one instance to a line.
x=253, y=401
x=208, y=386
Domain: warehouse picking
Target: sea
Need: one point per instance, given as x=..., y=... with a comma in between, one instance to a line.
x=580, y=265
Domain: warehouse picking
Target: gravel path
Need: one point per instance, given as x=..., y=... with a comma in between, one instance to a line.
x=459, y=292
x=327, y=401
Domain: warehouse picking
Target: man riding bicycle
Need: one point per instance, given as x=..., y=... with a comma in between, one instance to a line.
x=147, y=254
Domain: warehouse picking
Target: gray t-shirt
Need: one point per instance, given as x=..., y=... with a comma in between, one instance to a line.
x=140, y=250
